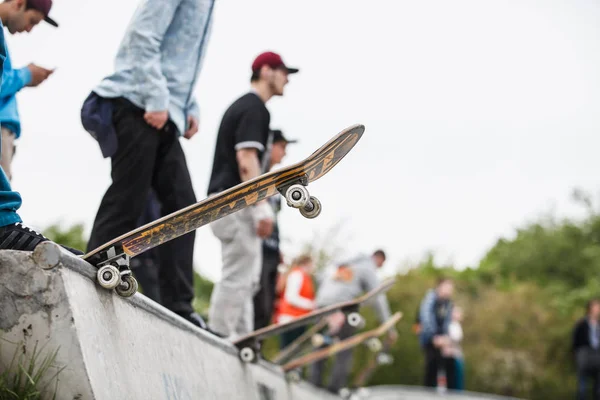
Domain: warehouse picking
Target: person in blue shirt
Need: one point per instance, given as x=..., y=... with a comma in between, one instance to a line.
x=435, y=315
x=18, y=16
x=14, y=235
x=138, y=115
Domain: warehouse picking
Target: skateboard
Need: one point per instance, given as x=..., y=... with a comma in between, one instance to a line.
x=248, y=345
x=382, y=357
x=296, y=345
x=112, y=258
x=371, y=336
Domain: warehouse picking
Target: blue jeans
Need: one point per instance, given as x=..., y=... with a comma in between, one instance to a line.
x=9, y=201
x=460, y=373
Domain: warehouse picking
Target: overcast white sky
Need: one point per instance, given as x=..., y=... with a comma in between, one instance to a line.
x=479, y=115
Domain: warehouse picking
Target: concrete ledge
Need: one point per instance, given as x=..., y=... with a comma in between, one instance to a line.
x=120, y=348
x=132, y=348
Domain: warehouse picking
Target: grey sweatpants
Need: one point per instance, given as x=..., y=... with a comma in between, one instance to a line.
x=231, y=310
x=342, y=364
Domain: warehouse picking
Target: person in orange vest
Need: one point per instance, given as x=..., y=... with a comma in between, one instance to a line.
x=297, y=297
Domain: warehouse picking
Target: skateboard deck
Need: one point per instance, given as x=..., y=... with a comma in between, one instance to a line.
x=112, y=258
x=297, y=344
x=382, y=357
x=248, y=344
x=341, y=345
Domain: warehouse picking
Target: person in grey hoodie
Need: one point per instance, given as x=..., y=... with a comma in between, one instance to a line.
x=347, y=281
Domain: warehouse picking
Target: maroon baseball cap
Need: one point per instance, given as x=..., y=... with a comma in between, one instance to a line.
x=44, y=7
x=273, y=60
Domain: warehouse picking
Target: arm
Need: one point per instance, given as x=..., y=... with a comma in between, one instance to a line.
x=426, y=317
x=250, y=138
x=369, y=282
x=193, y=110
x=292, y=292
x=249, y=166
x=14, y=80
x=147, y=31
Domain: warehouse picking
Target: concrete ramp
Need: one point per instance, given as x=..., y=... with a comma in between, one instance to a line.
x=115, y=348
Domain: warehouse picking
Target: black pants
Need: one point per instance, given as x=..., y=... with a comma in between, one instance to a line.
x=264, y=299
x=288, y=337
x=342, y=364
x=588, y=370
x=149, y=158
x=146, y=266
x=434, y=362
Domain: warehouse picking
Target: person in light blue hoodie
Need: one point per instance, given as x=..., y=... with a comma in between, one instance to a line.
x=18, y=16
x=138, y=115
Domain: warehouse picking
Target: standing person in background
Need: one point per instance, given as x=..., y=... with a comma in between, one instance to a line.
x=240, y=155
x=264, y=299
x=18, y=16
x=435, y=315
x=139, y=114
x=454, y=349
x=298, y=297
x=585, y=347
x=346, y=282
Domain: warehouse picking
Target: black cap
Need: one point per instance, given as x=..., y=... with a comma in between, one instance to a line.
x=278, y=137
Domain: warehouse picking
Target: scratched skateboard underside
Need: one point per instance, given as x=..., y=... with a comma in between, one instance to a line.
x=234, y=199
x=344, y=344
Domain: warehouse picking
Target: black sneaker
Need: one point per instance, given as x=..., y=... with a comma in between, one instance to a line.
x=197, y=320
x=20, y=237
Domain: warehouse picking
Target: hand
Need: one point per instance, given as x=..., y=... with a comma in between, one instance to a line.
x=440, y=341
x=38, y=74
x=156, y=119
x=265, y=228
x=193, y=127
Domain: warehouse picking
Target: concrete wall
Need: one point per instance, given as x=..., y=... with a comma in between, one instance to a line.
x=116, y=348
x=112, y=348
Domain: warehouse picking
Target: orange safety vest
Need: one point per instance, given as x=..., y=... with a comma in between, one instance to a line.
x=307, y=291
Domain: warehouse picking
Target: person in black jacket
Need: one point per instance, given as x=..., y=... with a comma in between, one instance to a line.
x=586, y=350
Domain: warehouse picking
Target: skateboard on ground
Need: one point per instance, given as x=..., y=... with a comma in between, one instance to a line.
x=112, y=258
x=371, y=336
x=248, y=345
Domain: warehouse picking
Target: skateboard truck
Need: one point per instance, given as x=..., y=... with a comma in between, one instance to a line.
x=114, y=272
x=297, y=196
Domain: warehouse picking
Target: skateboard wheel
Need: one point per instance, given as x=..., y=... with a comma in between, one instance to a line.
x=384, y=359
x=108, y=277
x=312, y=208
x=317, y=340
x=247, y=355
x=296, y=196
x=374, y=344
x=355, y=320
x=128, y=286
x=294, y=375
x=344, y=393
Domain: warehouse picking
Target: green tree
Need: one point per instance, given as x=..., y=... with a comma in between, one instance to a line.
x=71, y=236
